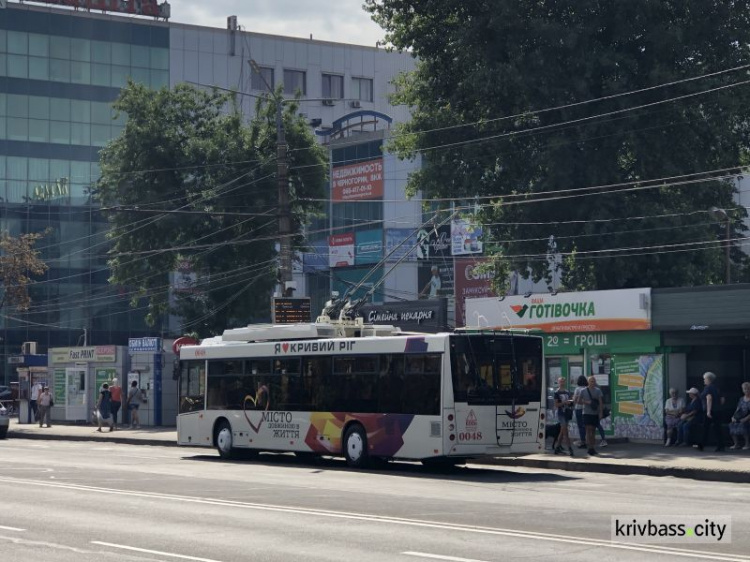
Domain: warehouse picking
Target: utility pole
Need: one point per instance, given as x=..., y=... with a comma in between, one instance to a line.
x=720, y=215
x=282, y=179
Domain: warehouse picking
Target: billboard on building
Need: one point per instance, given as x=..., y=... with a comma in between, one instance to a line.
x=341, y=250
x=353, y=182
x=415, y=316
x=588, y=311
x=396, y=236
x=435, y=279
x=317, y=258
x=472, y=282
x=344, y=281
x=136, y=7
x=368, y=247
x=434, y=242
x=466, y=237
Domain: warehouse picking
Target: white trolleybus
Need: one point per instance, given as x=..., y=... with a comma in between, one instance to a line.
x=363, y=392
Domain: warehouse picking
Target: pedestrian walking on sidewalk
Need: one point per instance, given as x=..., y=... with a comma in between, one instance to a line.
x=116, y=394
x=592, y=412
x=36, y=390
x=581, y=383
x=44, y=405
x=133, y=403
x=564, y=405
x=691, y=417
x=711, y=412
x=104, y=408
x=740, y=426
x=673, y=409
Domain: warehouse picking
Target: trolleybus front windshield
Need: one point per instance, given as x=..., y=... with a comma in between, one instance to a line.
x=496, y=368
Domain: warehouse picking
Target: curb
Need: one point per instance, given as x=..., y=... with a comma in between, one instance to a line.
x=704, y=474
x=95, y=438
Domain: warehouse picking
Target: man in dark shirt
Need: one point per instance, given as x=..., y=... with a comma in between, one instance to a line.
x=711, y=415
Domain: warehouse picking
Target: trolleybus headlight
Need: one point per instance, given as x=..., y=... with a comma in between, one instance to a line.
x=450, y=417
x=452, y=437
x=451, y=427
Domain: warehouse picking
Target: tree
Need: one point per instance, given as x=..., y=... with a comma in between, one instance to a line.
x=499, y=100
x=18, y=261
x=190, y=191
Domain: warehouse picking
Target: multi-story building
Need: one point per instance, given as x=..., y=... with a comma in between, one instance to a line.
x=60, y=69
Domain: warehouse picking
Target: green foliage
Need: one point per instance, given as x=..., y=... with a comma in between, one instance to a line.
x=191, y=152
x=485, y=68
x=18, y=261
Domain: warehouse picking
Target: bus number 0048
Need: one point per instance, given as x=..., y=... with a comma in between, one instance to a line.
x=470, y=436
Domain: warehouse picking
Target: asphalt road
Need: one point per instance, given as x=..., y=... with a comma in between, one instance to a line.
x=72, y=501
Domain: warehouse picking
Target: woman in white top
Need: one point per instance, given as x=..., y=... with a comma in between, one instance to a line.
x=673, y=408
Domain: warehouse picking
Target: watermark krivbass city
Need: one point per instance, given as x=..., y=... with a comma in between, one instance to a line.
x=678, y=529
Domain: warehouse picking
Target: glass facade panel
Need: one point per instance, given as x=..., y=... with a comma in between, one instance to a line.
x=59, y=132
x=59, y=70
x=3, y=41
x=3, y=64
x=160, y=59
x=3, y=133
x=18, y=129
x=101, y=113
x=159, y=79
x=60, y=108
x=17, y=168
x=80, y=50
x=18, y=106
x=120, y=76
x=38, y=107
x=38, y=130
x=121, y=54
x=39, y=45
x=59, y=47
x=101, y=75
x=80, y=133
x=39, y=170
x=80, y=111
x=80, y=72
x=100, y=134
x=18, y=66
x=140, y=75
x=18, y=43
x=101, y=52
x=38, y=68
x=140, y=56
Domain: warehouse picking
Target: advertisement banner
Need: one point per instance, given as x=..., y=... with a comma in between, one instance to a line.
x=317, y=258
x=98, y=354
x=363, y=180
x=435, y=280
x=394, y=237
x=341, y=250
x=417, y=316
x=637, y=386
x=434, y=243
x=144, y=344
x=369, y=247
x=472, y=282
x=466, y=238
x=588, y=311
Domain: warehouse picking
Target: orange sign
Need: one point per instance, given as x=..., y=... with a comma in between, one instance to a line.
x=358, y=181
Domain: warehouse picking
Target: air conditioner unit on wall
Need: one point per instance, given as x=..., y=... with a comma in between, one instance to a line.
x=28, y=348
x=355, y=104
x=329, y=102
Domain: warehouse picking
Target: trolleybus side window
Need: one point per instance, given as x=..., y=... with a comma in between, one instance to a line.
x=227, y=386
x=192, y=382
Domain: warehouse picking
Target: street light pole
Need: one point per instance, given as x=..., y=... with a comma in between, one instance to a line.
x=282, y=179
x=721, y=215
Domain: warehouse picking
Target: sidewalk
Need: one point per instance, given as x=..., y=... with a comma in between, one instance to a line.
x=621, y=458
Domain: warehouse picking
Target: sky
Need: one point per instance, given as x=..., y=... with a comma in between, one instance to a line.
x=342, y=21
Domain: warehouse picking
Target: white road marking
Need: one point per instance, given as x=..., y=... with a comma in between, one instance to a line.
x=4, y=528
x=157, y=552
x=441, y=557
x=498, y=531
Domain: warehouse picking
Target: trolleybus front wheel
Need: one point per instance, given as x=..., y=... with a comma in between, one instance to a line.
x=224, y=441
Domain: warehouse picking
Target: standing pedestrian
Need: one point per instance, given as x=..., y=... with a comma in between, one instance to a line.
x=133, y=403
x=578, y=410
x=104, y=408
x=44, y=405
x=711, y=413
x=36, y=390
x=592, y=412
x=564, y=405
x=116, y=394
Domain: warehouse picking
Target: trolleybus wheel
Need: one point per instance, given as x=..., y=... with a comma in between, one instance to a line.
x=355, y=446
x=224, y=441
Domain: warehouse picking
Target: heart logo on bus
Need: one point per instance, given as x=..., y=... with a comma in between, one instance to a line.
x=285, y=347
x=251, y=399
